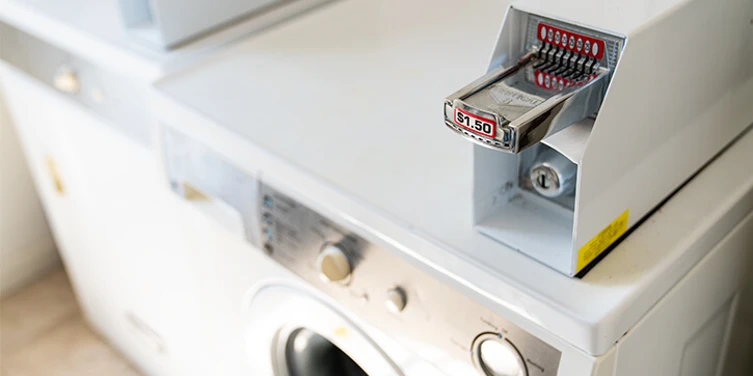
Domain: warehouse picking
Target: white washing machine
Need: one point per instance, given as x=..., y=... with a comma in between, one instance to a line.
x=27, y=249
x=369, y=299
x=335, y=164
x=144, y=267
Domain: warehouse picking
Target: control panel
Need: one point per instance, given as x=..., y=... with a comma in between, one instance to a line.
x=394, y=295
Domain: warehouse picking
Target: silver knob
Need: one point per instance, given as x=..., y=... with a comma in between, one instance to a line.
x=66, y=80
x=496, y=356
x=553, y=175
x=396, y=300
x=333, y=264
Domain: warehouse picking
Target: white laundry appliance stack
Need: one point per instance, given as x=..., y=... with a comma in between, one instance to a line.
x=413, y=252
x=155, y=279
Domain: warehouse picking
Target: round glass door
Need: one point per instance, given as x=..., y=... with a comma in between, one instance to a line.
x=306, y=353
x=292, y=332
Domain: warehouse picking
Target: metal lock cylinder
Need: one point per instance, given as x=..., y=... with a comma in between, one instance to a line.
x=553, y=175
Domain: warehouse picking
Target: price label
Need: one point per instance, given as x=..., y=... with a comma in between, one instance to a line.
x=475, y=124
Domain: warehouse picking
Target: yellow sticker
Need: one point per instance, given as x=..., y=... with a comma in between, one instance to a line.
x=601, y=241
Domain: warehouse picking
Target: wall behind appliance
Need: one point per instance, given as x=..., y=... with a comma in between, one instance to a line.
x=27, y=248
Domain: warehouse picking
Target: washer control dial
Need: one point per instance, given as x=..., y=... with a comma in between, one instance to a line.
x=333, y=264
x=496, y=356
x=396, y=300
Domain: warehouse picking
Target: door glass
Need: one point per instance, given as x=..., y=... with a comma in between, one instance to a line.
x=309, y=354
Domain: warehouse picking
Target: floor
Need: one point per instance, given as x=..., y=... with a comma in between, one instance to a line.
x=42, y=332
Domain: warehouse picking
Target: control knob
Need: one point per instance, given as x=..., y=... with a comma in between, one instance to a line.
x=333, y=263
x=66, y=80
x=396, y=300
x=497, y=356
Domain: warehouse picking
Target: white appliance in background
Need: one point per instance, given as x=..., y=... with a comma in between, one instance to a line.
x=26, y=246
x=166, y=23
x=156, y=279
x=365, y=198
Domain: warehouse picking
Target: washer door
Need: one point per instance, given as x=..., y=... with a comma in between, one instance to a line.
x=292, y=333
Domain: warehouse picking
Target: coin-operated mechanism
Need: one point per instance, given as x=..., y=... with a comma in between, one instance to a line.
x=593, y=113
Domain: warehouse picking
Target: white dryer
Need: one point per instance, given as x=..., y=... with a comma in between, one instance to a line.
x=363, y=196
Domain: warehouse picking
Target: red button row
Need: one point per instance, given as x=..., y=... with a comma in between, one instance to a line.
x=571, y=41
x=553, y=82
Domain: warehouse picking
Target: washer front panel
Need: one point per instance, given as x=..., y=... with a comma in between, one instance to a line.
x=435, y=316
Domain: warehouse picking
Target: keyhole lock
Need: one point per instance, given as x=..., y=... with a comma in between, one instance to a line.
x=553, y=175
x=545, y=180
